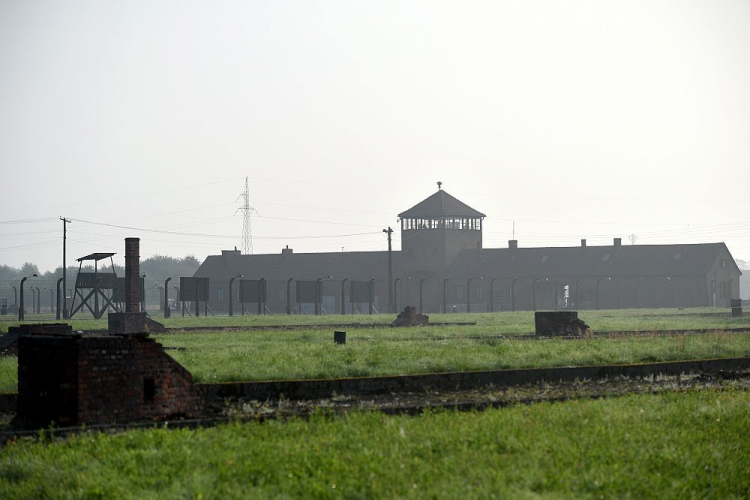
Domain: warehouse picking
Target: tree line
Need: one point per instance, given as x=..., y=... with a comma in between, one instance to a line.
x=157, y=269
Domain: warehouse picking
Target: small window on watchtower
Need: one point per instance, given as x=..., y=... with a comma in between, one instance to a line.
x=149, y=389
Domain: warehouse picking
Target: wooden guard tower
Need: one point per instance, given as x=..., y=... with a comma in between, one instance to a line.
x=91, y=287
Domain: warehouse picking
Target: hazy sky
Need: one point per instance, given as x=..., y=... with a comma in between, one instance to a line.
x=574, y=119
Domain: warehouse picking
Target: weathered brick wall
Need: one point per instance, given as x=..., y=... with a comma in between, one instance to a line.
x=47, y=380
x=125, y=379
x=74, y=380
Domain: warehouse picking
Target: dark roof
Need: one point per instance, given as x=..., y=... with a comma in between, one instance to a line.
x=441, y=204
x=300, y=266
x=95, y=256
x=629, y=260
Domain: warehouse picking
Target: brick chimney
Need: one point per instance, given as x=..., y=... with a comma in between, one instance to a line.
x=132, y=275
x=287, y=251
x=618, y=242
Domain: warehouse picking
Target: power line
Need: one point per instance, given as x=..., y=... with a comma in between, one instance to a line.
x=247, y=237
x=128, y=197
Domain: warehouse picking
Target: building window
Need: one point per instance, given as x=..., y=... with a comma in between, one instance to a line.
x=723, y=291
x=478, y=292
x=220, y=295
x=459, y=292
x=282, y=295
x=723, y=262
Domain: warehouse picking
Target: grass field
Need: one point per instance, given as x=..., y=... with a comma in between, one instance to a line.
x=223, y=356
x=244, y=356
x=487, y=323
x=690, y=445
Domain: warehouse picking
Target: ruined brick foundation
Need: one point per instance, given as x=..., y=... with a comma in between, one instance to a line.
x=70, y=379
x=559, y=323
x=410, y=317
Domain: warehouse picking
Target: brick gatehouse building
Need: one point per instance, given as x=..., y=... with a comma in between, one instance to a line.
x=443, y=262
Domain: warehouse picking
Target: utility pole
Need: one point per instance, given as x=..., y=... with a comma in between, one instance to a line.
x=389, y=232
x=64, y=269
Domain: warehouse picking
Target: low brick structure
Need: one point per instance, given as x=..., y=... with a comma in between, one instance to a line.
x=410, y=317
x=127, y=323
x=559, y=323
x=455, y=381
x=71, y=379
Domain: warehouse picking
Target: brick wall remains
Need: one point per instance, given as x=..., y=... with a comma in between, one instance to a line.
x=75, y=380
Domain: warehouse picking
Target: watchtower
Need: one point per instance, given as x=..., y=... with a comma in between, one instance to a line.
x=433, y=233
x=95, y=286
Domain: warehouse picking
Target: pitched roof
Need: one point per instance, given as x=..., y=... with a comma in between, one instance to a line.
x=630, y=260
x=300, y=266
x=441, y=204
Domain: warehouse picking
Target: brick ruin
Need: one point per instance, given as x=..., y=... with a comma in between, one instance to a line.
x=410, y=317
x=70, y=379
x=559, y=323
x=73, y=379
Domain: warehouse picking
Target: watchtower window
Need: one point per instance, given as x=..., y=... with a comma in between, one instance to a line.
x=473, y=224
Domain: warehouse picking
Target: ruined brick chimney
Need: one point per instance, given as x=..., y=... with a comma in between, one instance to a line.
x=132, y=275
x=132, y=320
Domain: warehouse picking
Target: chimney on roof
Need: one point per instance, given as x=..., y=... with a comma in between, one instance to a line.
x=513, y=246
x=618, y=242
x=583, y=245
x=287, y=251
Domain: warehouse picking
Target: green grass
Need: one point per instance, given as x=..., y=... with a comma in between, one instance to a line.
x=498, y=323
x=691, y=445
x=263, y=355
x=220, y=357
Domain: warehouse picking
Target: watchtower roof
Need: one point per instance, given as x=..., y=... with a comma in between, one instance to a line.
x=95, y=256
x=440, y=204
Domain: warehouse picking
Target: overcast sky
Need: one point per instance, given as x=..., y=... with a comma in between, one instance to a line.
x=574, y=119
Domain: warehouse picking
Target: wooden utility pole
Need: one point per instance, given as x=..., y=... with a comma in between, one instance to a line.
x=65, y=269
x=389, y=232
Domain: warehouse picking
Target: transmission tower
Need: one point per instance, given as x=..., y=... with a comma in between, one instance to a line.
x=246, y=209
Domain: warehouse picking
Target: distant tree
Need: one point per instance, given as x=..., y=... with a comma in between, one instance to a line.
x=742, y=264
x=161, y=267
x=28, y=269
x=190, y=260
